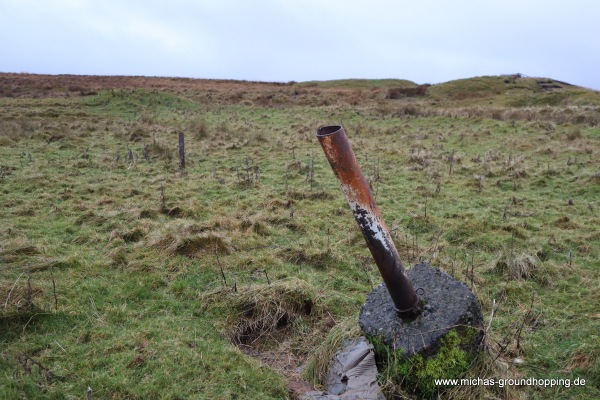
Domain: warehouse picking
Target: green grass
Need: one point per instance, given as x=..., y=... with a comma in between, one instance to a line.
x=132, y=103
x=142, y=309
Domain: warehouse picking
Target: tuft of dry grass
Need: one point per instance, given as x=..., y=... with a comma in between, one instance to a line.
x=311, y=195
x=199, y=128
x=139, y=134
x=318, y=364
x=181, y=237
x=14, y=131
x=565, y=222
x=129, y=236
x=585, y=356
x=17, y=298
x=574, y=134
x=319, y=260
x=422, y=158
x=517, y=267
x=255, y=313
x=13, y=250
x=195, y=245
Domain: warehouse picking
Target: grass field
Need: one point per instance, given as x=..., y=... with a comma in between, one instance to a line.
x=121, y=272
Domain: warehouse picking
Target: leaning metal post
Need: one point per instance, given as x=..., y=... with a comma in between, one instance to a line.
x=362, y=203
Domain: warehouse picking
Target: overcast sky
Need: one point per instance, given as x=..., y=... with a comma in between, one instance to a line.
x=424, y=41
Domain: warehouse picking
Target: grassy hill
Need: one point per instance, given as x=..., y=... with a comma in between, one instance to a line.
x=358, y=83
x=515, y=91
x=234, y=278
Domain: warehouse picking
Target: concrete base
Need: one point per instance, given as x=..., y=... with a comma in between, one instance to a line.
x=448, y=304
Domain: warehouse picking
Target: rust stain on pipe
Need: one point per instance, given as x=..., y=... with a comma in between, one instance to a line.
x=339, y=153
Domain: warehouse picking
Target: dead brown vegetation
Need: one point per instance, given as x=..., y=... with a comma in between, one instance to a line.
x=398, y=93
x=262, y=310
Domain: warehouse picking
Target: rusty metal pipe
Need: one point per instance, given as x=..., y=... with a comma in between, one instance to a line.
x=339, y=153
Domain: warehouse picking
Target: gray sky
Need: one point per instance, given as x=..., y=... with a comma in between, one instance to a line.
x=424, y=41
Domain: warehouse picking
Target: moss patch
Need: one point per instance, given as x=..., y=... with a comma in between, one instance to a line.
x=418, y=374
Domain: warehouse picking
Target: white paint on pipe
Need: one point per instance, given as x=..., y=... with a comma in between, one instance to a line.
x=373, y=223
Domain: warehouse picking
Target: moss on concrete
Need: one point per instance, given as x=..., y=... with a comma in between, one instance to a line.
x=418, y=374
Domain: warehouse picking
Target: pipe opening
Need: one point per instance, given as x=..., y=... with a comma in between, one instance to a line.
x=328, y=130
